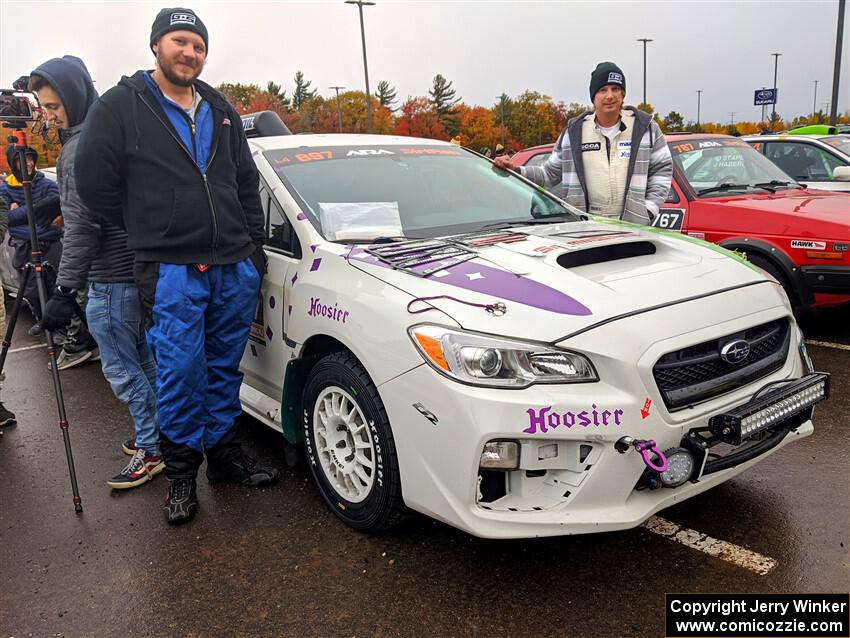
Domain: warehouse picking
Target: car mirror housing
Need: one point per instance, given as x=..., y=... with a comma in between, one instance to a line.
x=841, y=174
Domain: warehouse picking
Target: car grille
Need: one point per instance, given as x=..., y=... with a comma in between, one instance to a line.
x=698, y=373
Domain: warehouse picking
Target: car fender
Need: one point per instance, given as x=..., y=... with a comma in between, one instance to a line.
x=792, y=272
x=366, y=316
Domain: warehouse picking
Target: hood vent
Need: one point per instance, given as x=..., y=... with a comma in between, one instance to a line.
x=601, y=254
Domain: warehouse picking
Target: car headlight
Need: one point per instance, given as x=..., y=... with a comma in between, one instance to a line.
x=495, y=362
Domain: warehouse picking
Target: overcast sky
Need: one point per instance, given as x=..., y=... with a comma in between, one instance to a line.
x=483, y=47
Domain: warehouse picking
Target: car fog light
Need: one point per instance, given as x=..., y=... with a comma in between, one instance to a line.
x=500, y=455
x=680, y=467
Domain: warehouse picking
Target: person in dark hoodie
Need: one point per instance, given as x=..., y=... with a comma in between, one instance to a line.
x=49, y=234
x=165, y=155
x=96, y=257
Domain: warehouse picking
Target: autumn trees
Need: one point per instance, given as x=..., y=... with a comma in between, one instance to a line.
x=527, y=119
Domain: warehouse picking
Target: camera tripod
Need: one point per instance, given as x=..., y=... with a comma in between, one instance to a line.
x=35, y=266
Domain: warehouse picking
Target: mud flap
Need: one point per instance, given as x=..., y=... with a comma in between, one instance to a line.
x=291, y=405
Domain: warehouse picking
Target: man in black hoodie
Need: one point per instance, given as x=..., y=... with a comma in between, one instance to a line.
x=164, y=154
x=96, y=254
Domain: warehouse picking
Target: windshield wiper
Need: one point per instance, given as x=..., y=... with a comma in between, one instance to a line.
x=549, y=219
x=725, y=186
x=382, y=239
x=779, y=182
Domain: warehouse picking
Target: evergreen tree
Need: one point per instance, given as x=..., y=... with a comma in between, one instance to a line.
x=443, y=95
x=277, y=95
x=386, y=94
x=444, y=99
x=302, y=92
x=673, y=122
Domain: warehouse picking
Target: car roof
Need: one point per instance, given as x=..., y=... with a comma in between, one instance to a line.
x=539, y=147
x=700, y=136
x=783, y=136
x=314, y=140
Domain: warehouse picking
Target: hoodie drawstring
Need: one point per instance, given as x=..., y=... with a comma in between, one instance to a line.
x=135, y=112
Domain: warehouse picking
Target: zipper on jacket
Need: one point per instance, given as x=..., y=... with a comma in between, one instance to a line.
x=214, y=218
x=195, y=163
x=209, y=194
x=194, y=141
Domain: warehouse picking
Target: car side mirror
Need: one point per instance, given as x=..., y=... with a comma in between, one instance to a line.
x=672, y=196
x=841, y=174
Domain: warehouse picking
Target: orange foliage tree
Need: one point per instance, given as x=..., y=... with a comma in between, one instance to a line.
x=419, y=118
x=352, y=105
x=477, y=127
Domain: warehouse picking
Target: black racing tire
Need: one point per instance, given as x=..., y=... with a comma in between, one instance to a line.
x=380, y=505
x=771, y=268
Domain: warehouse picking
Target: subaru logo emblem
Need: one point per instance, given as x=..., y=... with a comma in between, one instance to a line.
x=735, y=352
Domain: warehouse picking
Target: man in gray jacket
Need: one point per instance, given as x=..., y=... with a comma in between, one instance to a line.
x=613, y=161
x=96, y=254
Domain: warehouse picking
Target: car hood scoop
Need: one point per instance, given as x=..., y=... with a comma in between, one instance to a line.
x=601, y=254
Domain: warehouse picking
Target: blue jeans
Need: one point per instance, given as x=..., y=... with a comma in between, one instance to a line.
x=115, y=320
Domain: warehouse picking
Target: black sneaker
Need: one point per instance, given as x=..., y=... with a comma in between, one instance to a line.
x=36, y=330
x=182, y=503
x=129, y=446
x=243, y=470
x=141, y=469
x=67, y=359
x=7, y=417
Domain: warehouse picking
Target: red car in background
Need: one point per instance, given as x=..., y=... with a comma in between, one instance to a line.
x=726, y=192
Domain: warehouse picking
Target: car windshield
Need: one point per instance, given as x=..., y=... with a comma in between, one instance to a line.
x=710, y=164
x=353, y=193
x=841, y=142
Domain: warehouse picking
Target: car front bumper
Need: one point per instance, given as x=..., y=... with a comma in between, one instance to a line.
x=831, y=280
x=571, y=479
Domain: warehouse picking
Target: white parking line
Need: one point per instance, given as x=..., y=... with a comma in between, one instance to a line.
x=35, y=347
x=827, y=344
x=728, y=552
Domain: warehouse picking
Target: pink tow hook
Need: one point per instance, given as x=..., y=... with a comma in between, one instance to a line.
x=646, y=449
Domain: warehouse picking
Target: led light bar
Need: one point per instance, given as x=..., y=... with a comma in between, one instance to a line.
x=743, y=422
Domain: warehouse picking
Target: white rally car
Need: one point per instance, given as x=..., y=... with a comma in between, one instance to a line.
x=444, y=336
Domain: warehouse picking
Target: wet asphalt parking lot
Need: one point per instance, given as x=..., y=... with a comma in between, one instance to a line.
x=275, y=561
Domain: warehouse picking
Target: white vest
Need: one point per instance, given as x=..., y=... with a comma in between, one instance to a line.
x=606, y=164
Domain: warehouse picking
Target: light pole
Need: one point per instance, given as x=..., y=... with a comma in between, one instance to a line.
x=338, y=107
x=836, y=69
x=815, y=100
x=775, y=90
x=644, y=40
x=731, y=121
x=699, y=95
x=502, y=100
x=360, y=4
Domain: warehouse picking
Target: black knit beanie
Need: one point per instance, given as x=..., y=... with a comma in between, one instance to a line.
x=177, y=19
x=606, y=73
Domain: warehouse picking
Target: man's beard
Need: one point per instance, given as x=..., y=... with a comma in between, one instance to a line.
x=167, y=68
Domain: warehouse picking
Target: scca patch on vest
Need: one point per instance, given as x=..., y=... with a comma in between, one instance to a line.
x=591, y=146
